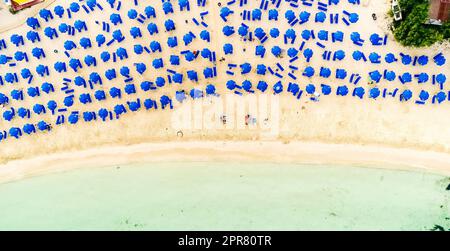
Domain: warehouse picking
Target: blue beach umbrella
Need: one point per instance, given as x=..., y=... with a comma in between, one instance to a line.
x=406, y=95
x=261, y=69
x=422, y=60
x=260, y=50
x=273, y=14
x=23, y=112
x=374, y=93
x=339, y=55
x=441, y=78
x=167, y=7
x=306, y=34
x=125, y=71
x=262, y=86
x=132, y=14
x=325, y=72
x=52, y=105
x=33, y=23
x=205, y=35
x=228, y=49
x=304, y=16
x=359, y=92
x=74, y=7
x=289, y=15
x=292, y=52
x=210, y=89
x=228, y=30
x=100, y=95
x=243, y=30
x=158, y=63
x=231, y=85
x=439, y=59
x=135, y=32
x=424, y=95
x=165, y=101
x=353, y=18
x=290, y=33
x=130, y=89
x=406, y=77
x=9, y=115
x=310, y=89
x=59, y=10
x=308, y=54
x=138, y=49
x=110, y=74
x=341, y=74
x=375, y=76
x=89, y=60
x=25, y=73
x=47, y=87
x=276, y=51
x=152, y=28
x=390, y=58
x=141, y=68
x=115, y=18
x=406, y=59
x=29, y=129
x=33, y=36
x=69, y=45
x=94, y=77
x=169, y=24
x=245, y=68
x=320, y=17
x=160, y=82
x=85, y=98
x=105, y=56
x=374, y=57
x=247, y=85
x=342, y=90
x=323, y=35
x=79, y=81
x=278, y=88
x=43, y=126
x=423, y=78
x=115, y=92
x=150, y=11
x=390, y=76
x=73, y=118
x=85, y=43
x=274, y=32
x=15, y=132
x=326, y=89
x=357, y=55
x=308, y=72
x=45, y=14
x=441, y=97
x=196, y=93
x=146, y=86
x=180, y=96
x=100, y=39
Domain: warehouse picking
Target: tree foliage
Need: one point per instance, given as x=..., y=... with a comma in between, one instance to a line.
x=413, y=30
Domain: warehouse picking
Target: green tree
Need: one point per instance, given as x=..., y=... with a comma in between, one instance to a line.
x=413, y=30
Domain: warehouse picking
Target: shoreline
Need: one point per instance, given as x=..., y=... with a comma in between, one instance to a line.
x=351, y=131
x=231, y=151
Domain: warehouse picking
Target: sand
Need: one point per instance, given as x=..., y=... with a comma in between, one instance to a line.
x=336, y=129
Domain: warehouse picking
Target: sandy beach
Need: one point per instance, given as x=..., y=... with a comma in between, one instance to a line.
x=243, y=152
x=367, y=132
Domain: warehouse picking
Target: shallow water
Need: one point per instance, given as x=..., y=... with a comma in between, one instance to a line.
x=225, y=196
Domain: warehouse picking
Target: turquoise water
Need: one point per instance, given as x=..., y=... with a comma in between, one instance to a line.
x=226, y=196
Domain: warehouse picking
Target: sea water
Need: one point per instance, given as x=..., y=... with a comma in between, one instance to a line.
x=226, y=196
